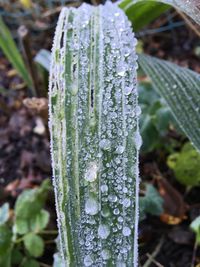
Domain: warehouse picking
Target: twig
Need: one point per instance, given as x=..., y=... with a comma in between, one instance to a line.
x=189, y=23
x=154, y=254
x=194, y=254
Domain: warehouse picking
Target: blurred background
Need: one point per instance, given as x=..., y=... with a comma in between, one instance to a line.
x=169, y=230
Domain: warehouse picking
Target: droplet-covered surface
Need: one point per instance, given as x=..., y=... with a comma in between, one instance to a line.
x=94, y=136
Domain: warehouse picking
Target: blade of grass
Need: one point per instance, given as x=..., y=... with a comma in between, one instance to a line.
x=12, y=53
x=180, y=87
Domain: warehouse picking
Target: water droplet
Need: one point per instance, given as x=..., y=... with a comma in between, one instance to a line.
x=91, y=206
x=126, y=231
x=104, y=188
x=105, y=254
x=138, y=140
x=120, y=264
x=105, y=212
x=105, y=144
x=91, y=173
x=103, y=231
x=88, y=260
x=138, y=110
x=116, y=211
x=112, y=198
x=128, y=90
x=120, y=149
x=126, y=202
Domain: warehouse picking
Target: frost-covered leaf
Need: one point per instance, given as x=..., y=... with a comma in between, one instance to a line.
x=94, y=136
x=58, y=261
x=180, y=87
x=190, y=7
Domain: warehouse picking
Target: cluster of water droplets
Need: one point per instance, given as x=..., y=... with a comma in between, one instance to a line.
x=95, y=135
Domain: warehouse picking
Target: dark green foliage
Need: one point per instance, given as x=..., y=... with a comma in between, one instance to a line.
x=20, y=240
x=151, y=203
x=185, y=165
x=155, y=118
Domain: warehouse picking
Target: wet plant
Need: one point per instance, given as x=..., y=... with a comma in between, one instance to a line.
x=94, y=130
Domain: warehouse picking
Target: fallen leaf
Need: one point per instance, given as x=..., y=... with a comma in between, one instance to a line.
x=174, y=206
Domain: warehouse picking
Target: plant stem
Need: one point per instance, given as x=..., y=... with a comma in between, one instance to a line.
x=155, y=253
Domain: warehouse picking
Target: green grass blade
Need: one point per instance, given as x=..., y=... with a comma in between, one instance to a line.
x=180, y=87
x=10, y=50
x=190, y=7
x=143, y=13
x=94, y=136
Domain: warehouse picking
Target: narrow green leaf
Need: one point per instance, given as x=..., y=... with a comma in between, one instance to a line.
x=180, y=87
x=34, y=244
x=190, y=7
x=9, y=48
x=94, y=136
x=142, y=13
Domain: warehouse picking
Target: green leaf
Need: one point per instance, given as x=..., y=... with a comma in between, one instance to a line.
x=34, y=244
x=30, y=263
x=180, y=88
x=154, y=119
x=9, y=48
x=5, y=239
x=191, y=8
x=21, y=226
x=94, y=135
x=4, y=213
x=186, y=165
x=16, y=257
x=195, y=226
x=150, y=135
x=151, y=203
x=142, y=13
x=5, y=258
x=30, y=202
x=43, y=57
x=39, y=221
